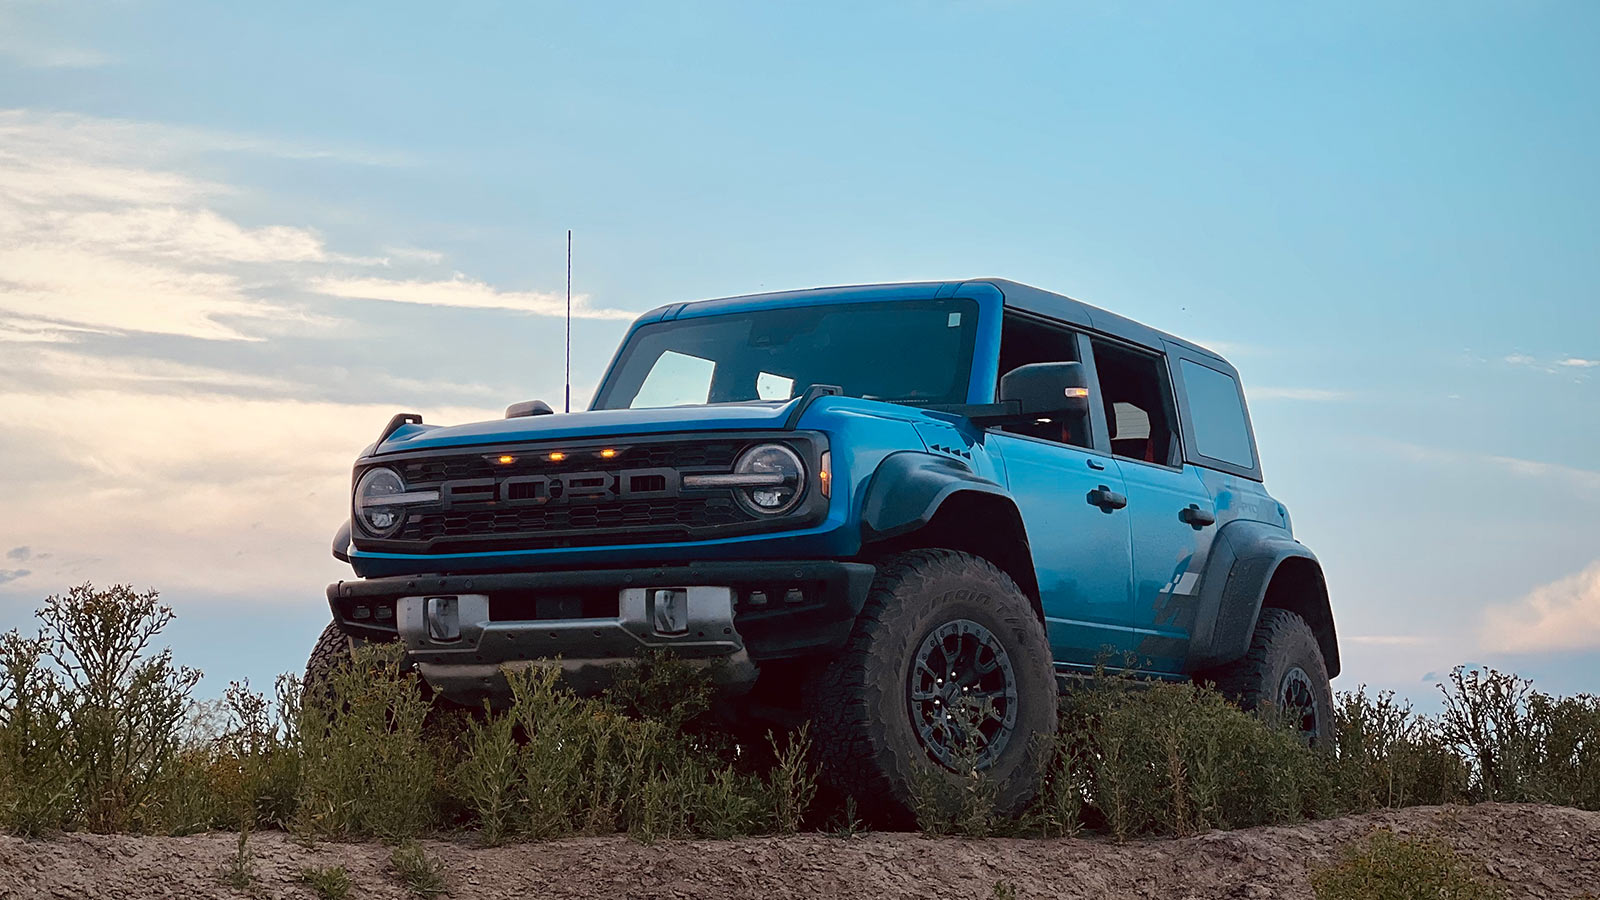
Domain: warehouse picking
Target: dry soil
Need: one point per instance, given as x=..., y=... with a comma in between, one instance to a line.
x=1539, y=851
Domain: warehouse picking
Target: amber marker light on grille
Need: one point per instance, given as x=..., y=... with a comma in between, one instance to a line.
x=557, y=456
x=507, y=460
x=825, y=474
x=607, y=453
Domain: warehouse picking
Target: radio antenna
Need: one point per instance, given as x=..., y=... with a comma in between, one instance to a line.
x=567, y=407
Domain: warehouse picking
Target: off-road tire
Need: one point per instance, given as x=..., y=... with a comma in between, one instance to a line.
x=859, y=701
x=1282, y=643
x=333, y=649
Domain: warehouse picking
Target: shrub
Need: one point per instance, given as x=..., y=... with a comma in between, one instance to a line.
x=1520, y=744
x=1164, y=758
x=1386, y=867
x=421, y=873
x=38, y=784
x=92, y=718
x=367, y=770
x=1387, y=756
x=329, y=883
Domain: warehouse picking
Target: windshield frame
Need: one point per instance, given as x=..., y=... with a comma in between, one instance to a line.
x=973, y=346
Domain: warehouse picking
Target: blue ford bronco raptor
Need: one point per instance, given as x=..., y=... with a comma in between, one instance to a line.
x=906, y=513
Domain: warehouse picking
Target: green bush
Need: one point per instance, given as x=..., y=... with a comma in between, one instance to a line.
x=1387, y=867
x=555, y=764
x=91, y=718
x=329, y=883
x=1387, y=756
x=98, y=731
x=1167, y=758
x=1520, y=744
x=366, y=769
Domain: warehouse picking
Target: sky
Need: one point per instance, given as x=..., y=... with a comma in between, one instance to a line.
x=236, y=238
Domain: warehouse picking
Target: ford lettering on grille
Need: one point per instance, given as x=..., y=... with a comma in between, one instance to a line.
x=561, y=488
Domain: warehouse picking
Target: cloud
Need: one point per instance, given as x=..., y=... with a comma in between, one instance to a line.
x=461, y=291
x=1573, y=476
x=19, y=554
x=1553, y=367
x=1389, y=640
x=1561, y=615
x=226, y=495
x=103, y=228
x=13, y=574
x=1288, y=393
x=26, y=46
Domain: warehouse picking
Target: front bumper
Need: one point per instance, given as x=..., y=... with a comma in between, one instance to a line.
x=733, y=615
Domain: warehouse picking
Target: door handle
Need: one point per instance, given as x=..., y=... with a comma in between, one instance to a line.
x=1096, y=464
x=1107, y=499
x=1196, y=516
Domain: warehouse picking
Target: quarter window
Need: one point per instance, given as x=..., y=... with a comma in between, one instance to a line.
x=1217, y=414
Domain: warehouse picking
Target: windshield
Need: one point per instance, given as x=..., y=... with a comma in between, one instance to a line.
x=906, y=351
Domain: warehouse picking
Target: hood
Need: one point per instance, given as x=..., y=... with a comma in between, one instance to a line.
x=755, y=416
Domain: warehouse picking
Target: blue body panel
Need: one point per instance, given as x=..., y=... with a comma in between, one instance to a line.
x=1111, y=584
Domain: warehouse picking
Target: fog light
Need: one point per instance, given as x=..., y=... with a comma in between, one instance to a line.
x=385, y=613
x=794, y=595
x=444, y=618
x=361, y=612
x=758, y=598
x=669, y=611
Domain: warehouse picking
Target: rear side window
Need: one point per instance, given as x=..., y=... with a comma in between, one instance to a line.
x=1217, y=414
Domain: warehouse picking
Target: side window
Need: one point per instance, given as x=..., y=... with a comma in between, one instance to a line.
x=1024, y=341
x=1217, y=412
x=676, y=379
x=1138, y=404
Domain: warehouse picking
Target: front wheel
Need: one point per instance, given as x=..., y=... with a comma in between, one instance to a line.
x=947, y=671
x=1283, y=675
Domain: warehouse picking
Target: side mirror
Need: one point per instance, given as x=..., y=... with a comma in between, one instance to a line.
x=528, y=408
x=1049, y=390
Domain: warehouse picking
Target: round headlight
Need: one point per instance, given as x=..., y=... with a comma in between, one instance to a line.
x=785, y=472
x=376, y=518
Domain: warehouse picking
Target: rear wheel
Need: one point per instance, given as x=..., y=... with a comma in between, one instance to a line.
x=1283, y=675
x=946, y=671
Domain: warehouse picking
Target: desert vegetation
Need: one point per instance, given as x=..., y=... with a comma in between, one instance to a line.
x=99, y=732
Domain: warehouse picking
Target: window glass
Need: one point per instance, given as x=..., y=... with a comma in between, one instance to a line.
x=903, y=351
x=1217, y=414
x=1138, y=404
x=677, y=379
x=1024, y=341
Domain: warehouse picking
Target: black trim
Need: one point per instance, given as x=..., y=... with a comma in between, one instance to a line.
x=907, y=488
x=812, y=394
x=396, y=423
x=836, y=592
x=813, y=508
x=1243, y=559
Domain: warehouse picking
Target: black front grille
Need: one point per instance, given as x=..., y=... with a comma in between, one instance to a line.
x=509, y=498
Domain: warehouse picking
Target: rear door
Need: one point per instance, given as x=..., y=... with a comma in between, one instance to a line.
x=1170, y=511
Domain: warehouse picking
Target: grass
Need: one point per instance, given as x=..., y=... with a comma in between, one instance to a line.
x=329, y=882
x=421, y=873
x=1388, y=867
x=99, y=732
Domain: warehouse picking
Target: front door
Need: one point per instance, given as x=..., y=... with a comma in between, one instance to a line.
x=1069, y=498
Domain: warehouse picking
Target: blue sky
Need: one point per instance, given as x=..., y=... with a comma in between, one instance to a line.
x=234, y=238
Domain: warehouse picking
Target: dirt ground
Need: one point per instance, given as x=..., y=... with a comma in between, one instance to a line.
x=1539, y=851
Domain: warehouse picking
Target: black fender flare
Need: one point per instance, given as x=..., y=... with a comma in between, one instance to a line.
x=907, y=488
x=341, y=542
x=1245, y=557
